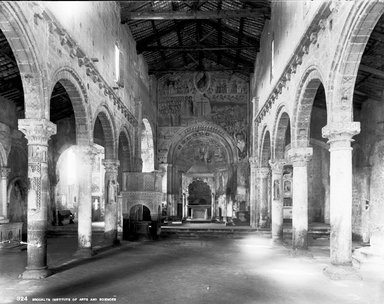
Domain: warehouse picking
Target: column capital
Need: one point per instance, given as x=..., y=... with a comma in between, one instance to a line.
x=4, y=172
x=111, y=165
x=300, y=156
x=340, y=134
x=37, y=131
x=277, y=165
x=262, y=172
x=253, y=160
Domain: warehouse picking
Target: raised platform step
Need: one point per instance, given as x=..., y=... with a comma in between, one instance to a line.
x=70, y=230
x=367, y=256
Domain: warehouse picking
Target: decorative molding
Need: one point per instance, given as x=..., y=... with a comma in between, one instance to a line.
x=340, y=133
x=299, y=157
x=309, y=38
x=37, y=131
x=277, y=166
x=83, y=61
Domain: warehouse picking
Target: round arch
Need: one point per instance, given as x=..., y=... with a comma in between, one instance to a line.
x=265, y=148
x=282, y=122
x=127, y=151
x=361, y=21
x=184, y=136
x=306, y=93
x=77, y=93
x=108, y=126
x=23, y=46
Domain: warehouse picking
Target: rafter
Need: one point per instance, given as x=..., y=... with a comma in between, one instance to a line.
x=373, y=71
x=225, y=29
x=198, y=47
x=194, y=15
x=160, y=33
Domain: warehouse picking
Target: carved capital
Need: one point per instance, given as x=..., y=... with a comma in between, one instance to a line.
x=300, y=156
x=37, y=131
x=262, y=172
x=277, y=166
x=111, y=165
x=253, y=160
x=4, y=172
x=340, y=134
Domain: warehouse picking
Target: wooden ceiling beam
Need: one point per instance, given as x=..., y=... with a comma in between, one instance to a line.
x=225, y=29
x=184, y=48
x=370, y=70
x=194, y=14
x=213, y=69
x=161, y=33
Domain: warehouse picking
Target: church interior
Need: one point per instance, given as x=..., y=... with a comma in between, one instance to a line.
x=224, y=151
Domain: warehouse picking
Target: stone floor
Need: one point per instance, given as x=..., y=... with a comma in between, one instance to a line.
x=174, y=270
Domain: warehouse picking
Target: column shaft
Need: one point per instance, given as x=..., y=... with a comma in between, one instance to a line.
x=263, y=187
x=86, y=155
x=340, y=137
x=4, y=175
x=277, y=200
x=300, y=158
x=254, y=210
x=110, y=229
x=37, y=132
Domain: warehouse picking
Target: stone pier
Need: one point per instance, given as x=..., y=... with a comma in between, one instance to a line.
x=340, y=137
x=4, y=172
x=277, y=200
x=299, y=158
x=111, y=188
x=37, y=132
x=86, y=156
x=263, y=188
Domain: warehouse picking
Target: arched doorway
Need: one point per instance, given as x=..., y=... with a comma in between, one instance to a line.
x=199, y=200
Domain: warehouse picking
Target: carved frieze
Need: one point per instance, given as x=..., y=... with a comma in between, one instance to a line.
x=309, y=38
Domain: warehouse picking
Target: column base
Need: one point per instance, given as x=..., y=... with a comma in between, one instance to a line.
x=341, y=272
x=84, y=253
x=35, y=274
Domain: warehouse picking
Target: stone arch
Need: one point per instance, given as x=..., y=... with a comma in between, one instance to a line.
x=305, y=96
x=265, y=148
x=360, y=23
x=22, y=43
x=182, y=137
x=147, y=147
x=126, y=140
x=278, y=140
x=108, y=126
x=77, y=93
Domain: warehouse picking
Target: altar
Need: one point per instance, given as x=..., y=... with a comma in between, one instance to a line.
x=199, y=212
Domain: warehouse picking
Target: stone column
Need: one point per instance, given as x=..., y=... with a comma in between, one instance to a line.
x=37, y=132
x=86, y=156
x=340, y=138
x=110, y=218
x=263, y=196
x=277, y=167
x=299, y=158
x=254, y=210
x=3, y=188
